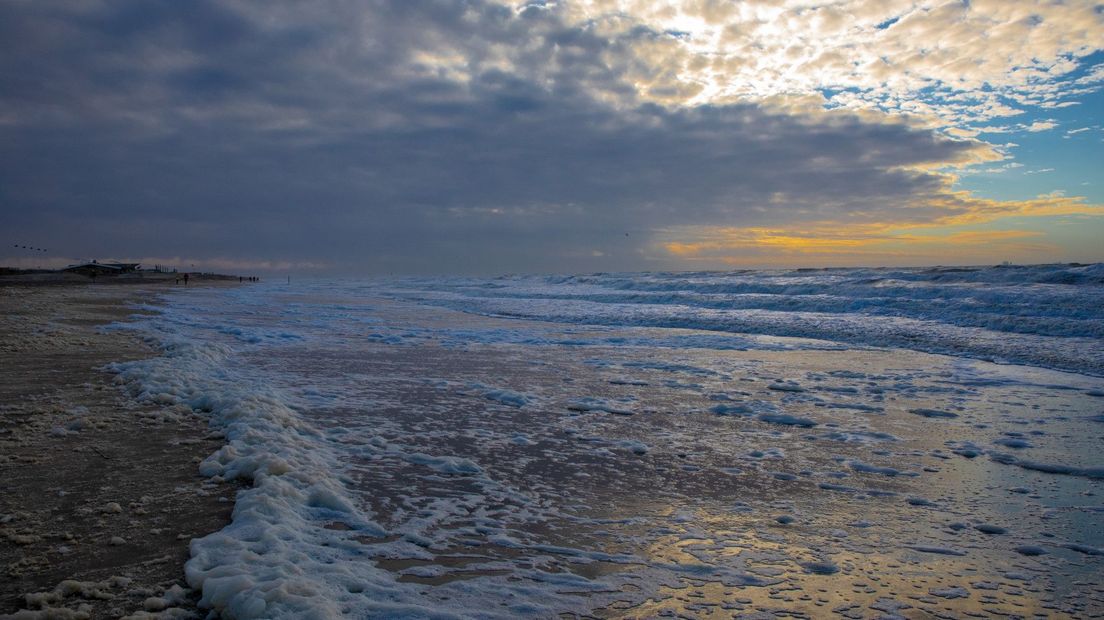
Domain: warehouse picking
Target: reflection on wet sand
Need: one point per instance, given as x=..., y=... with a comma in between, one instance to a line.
x=800, y=579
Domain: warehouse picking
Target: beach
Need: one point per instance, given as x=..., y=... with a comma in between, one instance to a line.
x=566, y=309
x=905, y=443
x=101, y=495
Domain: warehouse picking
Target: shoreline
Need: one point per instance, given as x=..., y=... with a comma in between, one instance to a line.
x=101, y=494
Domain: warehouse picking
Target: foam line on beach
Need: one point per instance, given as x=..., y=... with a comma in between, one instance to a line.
x=281, y=556
x=245, y=569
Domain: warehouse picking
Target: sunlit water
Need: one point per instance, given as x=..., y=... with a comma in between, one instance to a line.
x=430, y=448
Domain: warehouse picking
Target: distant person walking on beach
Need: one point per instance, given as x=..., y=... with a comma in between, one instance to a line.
x=185, y=279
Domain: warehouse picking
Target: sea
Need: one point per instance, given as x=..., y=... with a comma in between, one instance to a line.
x=922, y=442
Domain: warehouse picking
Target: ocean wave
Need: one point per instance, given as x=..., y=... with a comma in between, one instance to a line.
x=1045, y=315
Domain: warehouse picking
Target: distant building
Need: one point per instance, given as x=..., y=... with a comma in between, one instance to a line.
x=94, y=268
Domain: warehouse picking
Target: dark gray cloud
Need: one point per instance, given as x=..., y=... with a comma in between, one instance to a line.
x=405, y=136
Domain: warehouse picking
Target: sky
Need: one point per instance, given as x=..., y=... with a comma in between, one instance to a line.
x=372, y=137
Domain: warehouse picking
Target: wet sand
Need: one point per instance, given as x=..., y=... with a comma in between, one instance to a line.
x=515, y=467
x=99, y=495
x=807, y=480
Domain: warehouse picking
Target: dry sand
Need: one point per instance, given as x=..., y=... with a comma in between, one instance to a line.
x=99, y=495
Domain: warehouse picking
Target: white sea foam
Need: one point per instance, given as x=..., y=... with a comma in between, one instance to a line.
x=276, y=558
x=282, y=557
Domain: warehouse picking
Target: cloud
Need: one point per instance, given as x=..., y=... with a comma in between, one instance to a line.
x=863, y=246
x=952, y=61
x=475, y=136
x=1038, y=126
x=994, y=170
x=1033, y=127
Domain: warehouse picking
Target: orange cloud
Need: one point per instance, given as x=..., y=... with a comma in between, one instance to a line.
x=927, y=238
